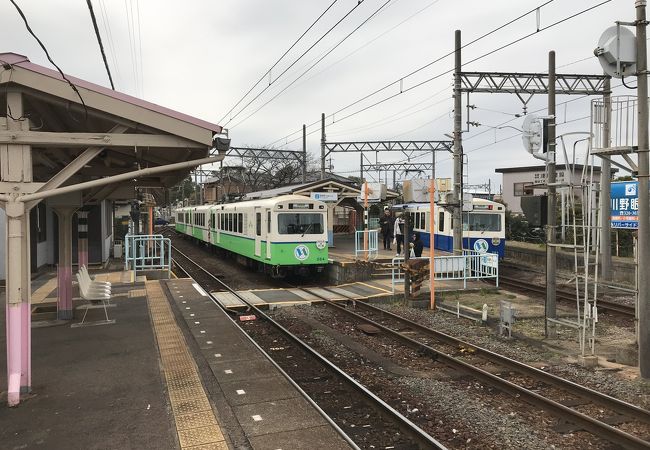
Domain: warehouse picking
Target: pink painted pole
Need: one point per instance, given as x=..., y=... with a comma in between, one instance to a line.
x=14, y=358
x=26, y=354
x=64, y=273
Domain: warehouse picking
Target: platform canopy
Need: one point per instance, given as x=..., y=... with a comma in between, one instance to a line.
x=109, y=133
x=329, y=185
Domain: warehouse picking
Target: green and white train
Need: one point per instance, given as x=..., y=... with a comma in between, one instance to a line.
x=282, y=235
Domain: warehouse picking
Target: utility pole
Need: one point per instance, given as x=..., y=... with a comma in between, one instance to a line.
x=457, y=223
x=606, y=189
x=643, y=250
x=304, y=153
x=322, y=146
x=550, y=310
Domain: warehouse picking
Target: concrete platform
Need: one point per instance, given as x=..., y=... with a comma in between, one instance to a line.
x=94, y=387
x=268, y=409
x=173, y=372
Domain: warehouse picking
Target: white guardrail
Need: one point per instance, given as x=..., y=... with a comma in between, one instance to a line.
x=470, y=265
x=373, y=244
x=147, y=252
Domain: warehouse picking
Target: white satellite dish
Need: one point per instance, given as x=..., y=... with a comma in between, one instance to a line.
x=616, y=52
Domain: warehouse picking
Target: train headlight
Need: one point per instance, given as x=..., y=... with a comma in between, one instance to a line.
x=496, y=241
x=321, y=245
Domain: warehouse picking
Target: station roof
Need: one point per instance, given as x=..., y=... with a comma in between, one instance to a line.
x=132, y=133
x=345, y=190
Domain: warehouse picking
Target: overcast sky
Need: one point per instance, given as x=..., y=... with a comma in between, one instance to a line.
x=201, y=57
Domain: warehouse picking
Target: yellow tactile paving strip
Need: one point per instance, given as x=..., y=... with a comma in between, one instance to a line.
x=196, y=424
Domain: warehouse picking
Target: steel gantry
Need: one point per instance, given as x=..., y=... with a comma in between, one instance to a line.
x=525, y=86
x=408, y=148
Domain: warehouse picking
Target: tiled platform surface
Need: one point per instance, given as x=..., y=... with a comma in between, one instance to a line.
x=269, y=410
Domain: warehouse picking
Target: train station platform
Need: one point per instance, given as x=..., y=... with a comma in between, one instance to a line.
x=173, y=371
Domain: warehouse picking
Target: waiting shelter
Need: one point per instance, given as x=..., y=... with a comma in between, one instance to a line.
x=73, y=144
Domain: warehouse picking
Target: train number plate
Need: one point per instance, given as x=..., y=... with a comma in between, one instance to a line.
x=248, y=317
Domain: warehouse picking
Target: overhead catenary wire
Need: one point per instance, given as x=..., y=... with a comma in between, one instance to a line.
x=377, y=11
x=421, y=68
x=359, y=2
x=49, y=58
x=99, y=41
x=264, y=75
x=111, y=42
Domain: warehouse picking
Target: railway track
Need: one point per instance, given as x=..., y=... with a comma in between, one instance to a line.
x=548, y=392
x=564, y=296
x=341, y=397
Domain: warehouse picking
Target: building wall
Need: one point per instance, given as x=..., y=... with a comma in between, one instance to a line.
x=513, y=202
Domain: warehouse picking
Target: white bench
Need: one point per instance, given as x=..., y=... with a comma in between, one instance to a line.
x=98, y=296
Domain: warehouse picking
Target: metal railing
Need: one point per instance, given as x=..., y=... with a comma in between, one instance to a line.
x=373, y=245
x=147, y=252
x=470, y=265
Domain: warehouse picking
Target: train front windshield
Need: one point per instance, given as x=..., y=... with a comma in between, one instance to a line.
x=300, y=223
x=481, y=222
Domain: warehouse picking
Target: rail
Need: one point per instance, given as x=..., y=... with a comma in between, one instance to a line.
x=147, y=252
x=422, y=438
x=468, y=266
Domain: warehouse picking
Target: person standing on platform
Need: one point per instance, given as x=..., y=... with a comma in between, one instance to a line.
x=418, y=246
x=386, y=227
x=399, y=234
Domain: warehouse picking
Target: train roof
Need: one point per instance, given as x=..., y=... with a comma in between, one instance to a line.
x=270, y=202
x=475, y=201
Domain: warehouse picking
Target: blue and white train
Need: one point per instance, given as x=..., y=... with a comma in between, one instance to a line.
x=483, y=227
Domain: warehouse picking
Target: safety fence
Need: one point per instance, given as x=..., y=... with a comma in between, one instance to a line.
x=147, y=252
x=373, y=245
x=468, y=266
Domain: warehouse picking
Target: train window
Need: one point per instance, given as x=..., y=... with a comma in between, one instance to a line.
x=221, y=221
x=235, y=222
x=213, y=223
x=441, y=221
x=482, y=222
x=268, y=222
x=229, y=221
x=258, y=224
x=240, y=227
x=309, y=223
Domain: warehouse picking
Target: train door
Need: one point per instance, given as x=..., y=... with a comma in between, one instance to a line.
x=268, y=233
x=258, y=231
x=218, y=226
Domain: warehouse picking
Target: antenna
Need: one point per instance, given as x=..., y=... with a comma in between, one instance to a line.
x=616, y=51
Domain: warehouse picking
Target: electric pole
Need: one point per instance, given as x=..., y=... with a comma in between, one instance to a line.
x=550, y=308
x=643, y=250
x=457, y=222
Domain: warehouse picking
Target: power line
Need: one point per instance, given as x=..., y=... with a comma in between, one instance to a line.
x=421, y=68
x=421, y=10
x=49, y=58
x=99, y=41
x=359, y=2
x=109, y=33
x=278, y=60
x=377, y=11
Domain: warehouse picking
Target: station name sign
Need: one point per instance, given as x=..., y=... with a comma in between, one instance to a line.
x=325, y=196
x=625, y=205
